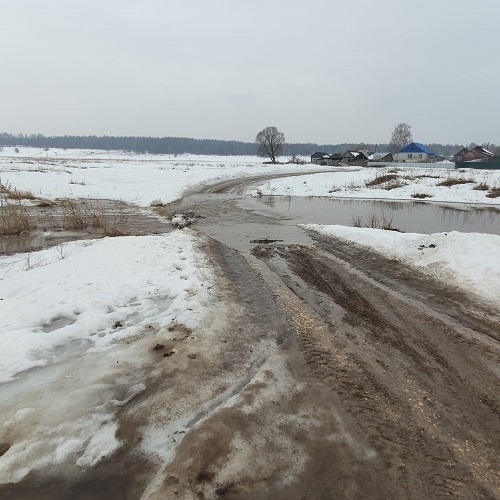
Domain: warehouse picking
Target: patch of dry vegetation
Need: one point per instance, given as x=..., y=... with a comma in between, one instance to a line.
x=14, y=219
x=374, y=221
x=13, y=194
x=421, y=195
x=455, y=181
x=427, y=176
x=387, y=181
x=494, y=193
x=83, y=214
x=382, y=179
x=481, y=187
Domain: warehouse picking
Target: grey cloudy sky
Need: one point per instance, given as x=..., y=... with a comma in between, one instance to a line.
x=320, y=70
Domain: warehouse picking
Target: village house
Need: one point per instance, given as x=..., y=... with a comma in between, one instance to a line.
x=477, y=157
x=416, y=153
x=477, y=153
x=382, y=157
x=358, y=158
x=319, y=158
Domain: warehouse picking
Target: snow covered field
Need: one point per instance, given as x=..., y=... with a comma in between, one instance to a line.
x=139, y=179
x=402, y=184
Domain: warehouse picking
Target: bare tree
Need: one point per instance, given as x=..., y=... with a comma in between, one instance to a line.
x=400, y=137
x=270, y=143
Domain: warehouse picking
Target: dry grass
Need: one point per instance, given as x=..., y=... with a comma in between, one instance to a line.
x=14, y=194
x=481, y=187
x=494, y=193
x=455, y=181
x=374, y=221
x=381, y=179
x=83, y=214
x=14, y=219
x=421, y=195
x=394, y=185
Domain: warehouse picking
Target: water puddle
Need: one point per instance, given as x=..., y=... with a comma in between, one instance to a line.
x=70, y=220
x=414, y=217
x=37, y=240
x=240, y=235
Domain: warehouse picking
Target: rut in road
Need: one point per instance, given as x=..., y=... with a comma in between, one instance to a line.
x=417, y=386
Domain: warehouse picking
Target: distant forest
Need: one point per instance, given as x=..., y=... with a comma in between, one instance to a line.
x=180, y=145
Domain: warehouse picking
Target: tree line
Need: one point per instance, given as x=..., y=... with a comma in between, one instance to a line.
x=181, y=145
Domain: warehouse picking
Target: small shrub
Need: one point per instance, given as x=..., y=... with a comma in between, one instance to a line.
x=481, y=187
x=85, y=213
x=14, y=219
x=381, y=179
x=454, y=182
x=421, y=195
x=14, y=194
x=74, y=216
x=357, y=221
x=494, y=193
x=374, y=221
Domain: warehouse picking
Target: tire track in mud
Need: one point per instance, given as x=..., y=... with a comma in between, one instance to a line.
x=429, y=407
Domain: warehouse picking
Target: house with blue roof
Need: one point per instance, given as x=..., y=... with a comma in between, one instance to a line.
x=416, y=153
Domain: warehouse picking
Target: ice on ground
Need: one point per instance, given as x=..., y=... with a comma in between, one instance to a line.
x=470, y=261
x=75, y=338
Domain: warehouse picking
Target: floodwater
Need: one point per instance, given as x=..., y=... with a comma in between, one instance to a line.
x=415, y=217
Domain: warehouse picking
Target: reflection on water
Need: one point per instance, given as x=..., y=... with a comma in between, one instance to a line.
x=415, y=217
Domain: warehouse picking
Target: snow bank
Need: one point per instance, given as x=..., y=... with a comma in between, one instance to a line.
x=47, y=301
x=470, y=261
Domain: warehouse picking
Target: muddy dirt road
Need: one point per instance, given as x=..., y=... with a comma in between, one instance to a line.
x=324, y=372
x=411, y=367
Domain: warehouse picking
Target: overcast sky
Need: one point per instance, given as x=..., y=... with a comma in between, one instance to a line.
x=319, y=70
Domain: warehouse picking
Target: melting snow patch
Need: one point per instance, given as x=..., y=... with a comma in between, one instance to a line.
x=470, y=261
x=62, y=380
